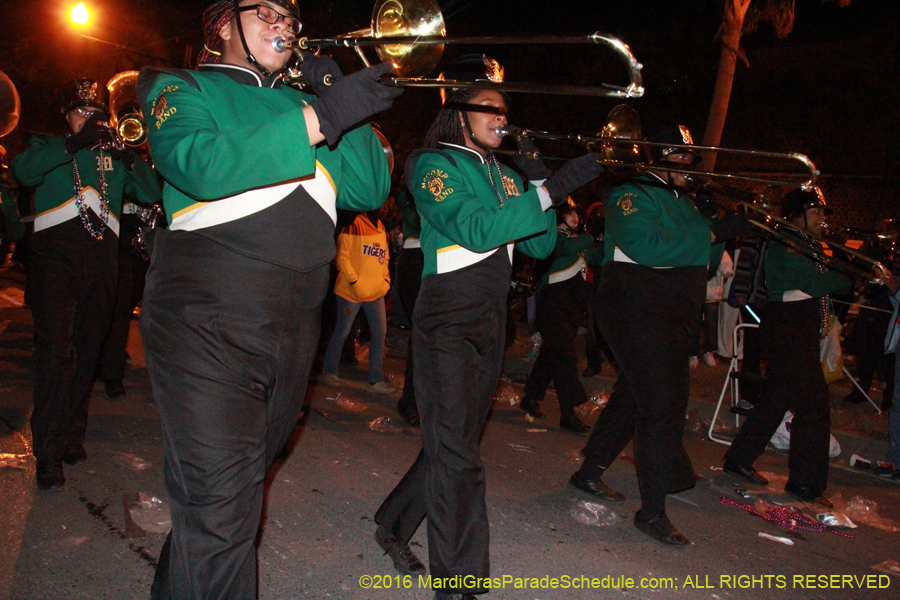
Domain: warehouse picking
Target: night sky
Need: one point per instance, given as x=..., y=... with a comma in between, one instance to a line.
x=829, y=89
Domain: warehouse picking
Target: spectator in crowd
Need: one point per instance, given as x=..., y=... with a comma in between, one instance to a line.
x=709, y=314
x=362, y=283
x=890, y=466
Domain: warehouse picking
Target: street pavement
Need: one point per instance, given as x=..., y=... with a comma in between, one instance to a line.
x=94, y=539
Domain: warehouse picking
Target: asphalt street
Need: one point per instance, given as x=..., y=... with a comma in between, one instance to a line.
x=95, y=539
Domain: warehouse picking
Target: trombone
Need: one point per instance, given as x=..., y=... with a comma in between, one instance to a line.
x=620, y=145
x=410, y=35
x=774, y=225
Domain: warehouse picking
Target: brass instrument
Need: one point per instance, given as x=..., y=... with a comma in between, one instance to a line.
x=410, y=35
x=150, y=217
x=10, y=107
x=125, y=115
x=620, y=144
x=777, y=227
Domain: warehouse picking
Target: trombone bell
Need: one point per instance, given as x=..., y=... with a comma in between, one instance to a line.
x=409, y=18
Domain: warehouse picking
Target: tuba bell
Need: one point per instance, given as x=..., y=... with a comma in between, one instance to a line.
x=10, y=107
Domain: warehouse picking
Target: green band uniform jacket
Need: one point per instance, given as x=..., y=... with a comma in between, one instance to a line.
x=412, y=225
x=227, y=116
x=650, y=224
x=567, y=259
x=47, y=166
x=15, y=228
x=463, y=221
x=792, y=275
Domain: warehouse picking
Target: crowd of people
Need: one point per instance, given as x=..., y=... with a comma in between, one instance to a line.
x=232, y=289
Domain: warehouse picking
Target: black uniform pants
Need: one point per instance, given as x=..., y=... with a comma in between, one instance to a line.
x=129, y=291
x=73, y=283
x=229, y=344
x=871, y=329
x=647, y=316
x=557, y=319
x=789, y=340
x=595, y=347
x=410, y=263
x=458, y=333
x=610, y=438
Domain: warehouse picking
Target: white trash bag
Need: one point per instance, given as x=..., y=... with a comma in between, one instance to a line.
x=782, y=437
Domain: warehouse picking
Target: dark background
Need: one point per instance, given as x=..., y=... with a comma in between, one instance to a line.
x=828, y=90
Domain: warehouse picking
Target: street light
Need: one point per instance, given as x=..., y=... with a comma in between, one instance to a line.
x=80, y=14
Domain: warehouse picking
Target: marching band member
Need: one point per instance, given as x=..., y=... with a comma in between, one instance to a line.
x=473, y=211
x=410, y=263
x=797, y=315
x=79, y=181
x=254, y=172
x=560, y=307
x=657, y=249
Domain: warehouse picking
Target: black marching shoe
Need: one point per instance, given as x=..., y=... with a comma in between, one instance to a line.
x=405, y=561
x=532, y=408
x=808, y=494
x=748, y=473
x=442, y=596
x=73, y=456
x=409, y=413
x=595, y=487
x=49, y=475
x=573, y=424
x=661, y=529
x=115, y=388
x=855, y=397
x=591, y=371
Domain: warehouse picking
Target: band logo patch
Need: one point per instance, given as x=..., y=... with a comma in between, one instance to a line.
x=434, y=183
x=159, y=107
x=510, y=186
x=626, y=204
x=161, y=110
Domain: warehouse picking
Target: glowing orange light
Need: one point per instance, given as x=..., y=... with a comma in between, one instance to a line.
x=80, y=14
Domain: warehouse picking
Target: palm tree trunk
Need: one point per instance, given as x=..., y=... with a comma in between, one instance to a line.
x=732, y=23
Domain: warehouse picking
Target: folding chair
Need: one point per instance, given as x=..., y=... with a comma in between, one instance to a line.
x=731, y=382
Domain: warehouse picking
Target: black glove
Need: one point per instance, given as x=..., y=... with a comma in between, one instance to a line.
x=534, y=168
x=126, y=155
x=353, y=99
x=596, y=226
x=316, y=68
x=574, y=174
x=95, y=129
x=733, y=226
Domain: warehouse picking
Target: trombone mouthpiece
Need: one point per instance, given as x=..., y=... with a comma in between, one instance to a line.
x=502, y=132
x=279, y=44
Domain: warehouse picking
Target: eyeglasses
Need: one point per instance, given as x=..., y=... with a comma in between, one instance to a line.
x=269, y=15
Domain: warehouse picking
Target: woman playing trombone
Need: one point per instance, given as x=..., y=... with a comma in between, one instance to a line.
x=254, y=174
x=473, y=212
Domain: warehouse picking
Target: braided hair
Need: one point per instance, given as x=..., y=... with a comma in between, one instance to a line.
x=215, y=17
x=447, y=126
